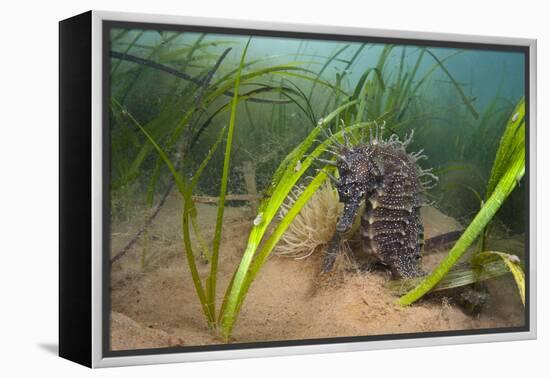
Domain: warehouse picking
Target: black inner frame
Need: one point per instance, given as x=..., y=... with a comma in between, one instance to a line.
x=106, y=274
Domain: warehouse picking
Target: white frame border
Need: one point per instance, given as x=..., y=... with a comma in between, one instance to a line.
x=97, y=186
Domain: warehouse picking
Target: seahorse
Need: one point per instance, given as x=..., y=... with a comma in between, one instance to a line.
x=391, y=183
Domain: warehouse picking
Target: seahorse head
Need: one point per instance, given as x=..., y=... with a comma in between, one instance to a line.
x=359, y=175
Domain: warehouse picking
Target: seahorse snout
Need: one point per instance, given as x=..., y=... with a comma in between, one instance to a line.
x=348, y=216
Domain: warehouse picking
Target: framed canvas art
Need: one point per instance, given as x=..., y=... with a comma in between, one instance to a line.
x=235, y=188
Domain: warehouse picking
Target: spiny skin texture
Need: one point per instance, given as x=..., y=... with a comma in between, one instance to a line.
x=389, y=180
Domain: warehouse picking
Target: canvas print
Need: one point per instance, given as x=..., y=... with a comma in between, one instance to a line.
x=287, y=188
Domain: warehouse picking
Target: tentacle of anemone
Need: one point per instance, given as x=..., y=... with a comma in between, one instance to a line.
x=313, y=226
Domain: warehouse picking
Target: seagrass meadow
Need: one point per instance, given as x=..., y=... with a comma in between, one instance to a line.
x=293, y=187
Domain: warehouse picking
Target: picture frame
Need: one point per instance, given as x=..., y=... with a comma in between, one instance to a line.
x=85, y=285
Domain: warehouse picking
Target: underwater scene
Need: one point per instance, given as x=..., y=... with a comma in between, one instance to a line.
x=268, y=188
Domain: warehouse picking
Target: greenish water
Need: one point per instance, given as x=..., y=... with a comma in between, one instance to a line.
x=456, y=100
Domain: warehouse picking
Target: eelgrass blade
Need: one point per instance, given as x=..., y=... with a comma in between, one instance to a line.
x=229, y=315
x=212, y=279
x=508, y=169
x=361, y=82
x=504, y=187
x=291, y=160
x=324, y=67
x=270, y=58
x=457, y=277
x=377, y=96
x=246, y=272
x=511, y=144
x=121, y=34
x=351, y=62
x=465, y=99
x=308, y=109
x=512, y=264
x=141, y=69
x=283, y=180
x=199, y=103
x=361, y=91
x=248, y=96
x=217, y=89
x=294, y=73
x=194, y=181
x=128, y=48
x=176, y=55
x=339, y=79
x=431, y=70
x=209, y=155
x=404, y=92
x=182, y=187
x=464, y=186
x=514, y=135
x=205, y=81
x=310, y=113
x=224, y=89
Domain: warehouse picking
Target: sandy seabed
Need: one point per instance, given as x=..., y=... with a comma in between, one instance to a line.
x=154, y=304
